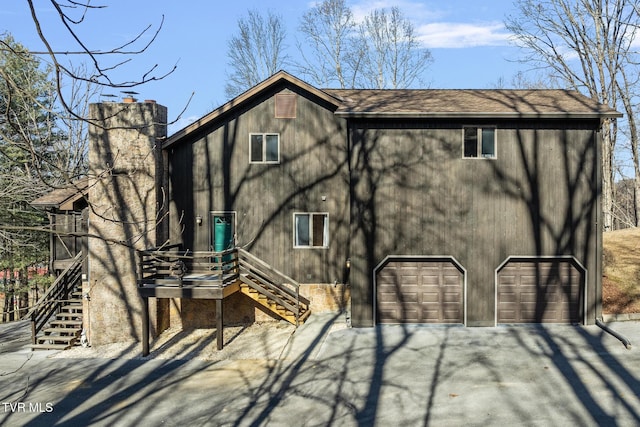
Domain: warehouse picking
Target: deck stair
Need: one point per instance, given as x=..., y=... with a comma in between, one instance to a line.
x=272, y=289
x=56, y=319
x=169, y=270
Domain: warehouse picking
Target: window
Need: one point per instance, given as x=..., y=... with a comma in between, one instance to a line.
x=311, y=230
x=264, y=148
x=479, y=142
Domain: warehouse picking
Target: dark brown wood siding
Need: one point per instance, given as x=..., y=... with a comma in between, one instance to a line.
x=69, y=239
x=213, y=173
x=414, y=194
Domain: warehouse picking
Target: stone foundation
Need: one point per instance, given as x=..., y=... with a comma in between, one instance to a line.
x=239, y=309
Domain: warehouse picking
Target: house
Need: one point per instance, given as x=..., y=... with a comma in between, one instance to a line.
x=472, y=207
x=67, y=210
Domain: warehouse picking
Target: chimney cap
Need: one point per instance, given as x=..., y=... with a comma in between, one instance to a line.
x=129, y=96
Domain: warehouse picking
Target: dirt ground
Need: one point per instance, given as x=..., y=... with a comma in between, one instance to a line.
x=616, y=301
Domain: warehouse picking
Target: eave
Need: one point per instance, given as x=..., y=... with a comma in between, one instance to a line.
x=473, y=115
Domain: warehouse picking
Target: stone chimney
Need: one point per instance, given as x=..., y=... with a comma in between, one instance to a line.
x=127, y=212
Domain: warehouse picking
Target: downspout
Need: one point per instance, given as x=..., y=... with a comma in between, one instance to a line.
x=620, y=337
x=598, y=252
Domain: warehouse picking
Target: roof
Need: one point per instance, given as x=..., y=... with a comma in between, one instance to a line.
x=63, y=198
x=505, y=103
x=425, y=103
x=278, y=78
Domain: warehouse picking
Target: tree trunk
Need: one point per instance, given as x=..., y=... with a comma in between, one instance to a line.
x=636, y=200
x=5, y=305
x=23, y=294
x=9, y=295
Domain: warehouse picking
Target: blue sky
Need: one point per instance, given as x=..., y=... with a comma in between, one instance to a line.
x=467, y=39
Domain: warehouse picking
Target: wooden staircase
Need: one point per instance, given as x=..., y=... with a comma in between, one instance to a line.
x=272, y=289
x=234, y=268
x=56, y=319
x=64, y=331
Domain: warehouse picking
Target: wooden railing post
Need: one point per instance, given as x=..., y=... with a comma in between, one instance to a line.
x=33, y=329
x=145, y=326
x=298, y=306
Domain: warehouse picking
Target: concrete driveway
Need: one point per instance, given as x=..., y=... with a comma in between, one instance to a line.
x=327, y=374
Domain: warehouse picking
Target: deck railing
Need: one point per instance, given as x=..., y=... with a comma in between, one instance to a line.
x=171, y=265
x=55, y=296
x=273, y=283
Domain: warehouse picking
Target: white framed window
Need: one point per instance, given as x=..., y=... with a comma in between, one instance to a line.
x=264, y=148
x=479, y=142
x=310, y=230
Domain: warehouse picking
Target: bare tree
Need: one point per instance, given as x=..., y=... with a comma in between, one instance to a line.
x=256, y=52
x=393, y=58
x=329, y=54
x=43, y=120
x=587, y=45
x=77, y=73
x=380, y=52
x=627, y=83
x=100, y=66
x=624, y=204
x=522, y=80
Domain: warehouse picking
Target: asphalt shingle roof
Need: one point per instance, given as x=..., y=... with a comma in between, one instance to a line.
x=59, y=196
x=425, y=103
x=467, y=102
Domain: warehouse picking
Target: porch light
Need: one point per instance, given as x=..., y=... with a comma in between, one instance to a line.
x=199, y=219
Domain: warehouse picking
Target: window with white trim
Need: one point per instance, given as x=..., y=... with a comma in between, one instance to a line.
x=310, y=230
x=479, y=142
x=264, y=148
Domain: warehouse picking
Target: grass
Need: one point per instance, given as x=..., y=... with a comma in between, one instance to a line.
x=621, y=281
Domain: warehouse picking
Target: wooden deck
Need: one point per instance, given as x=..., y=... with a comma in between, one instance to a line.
x=173, y=273
x=203, y=286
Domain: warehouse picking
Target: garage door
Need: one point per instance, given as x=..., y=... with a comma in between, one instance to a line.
x=419, y=291
x=540, y=291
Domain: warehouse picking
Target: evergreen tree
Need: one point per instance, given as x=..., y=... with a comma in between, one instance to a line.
x=28, y=141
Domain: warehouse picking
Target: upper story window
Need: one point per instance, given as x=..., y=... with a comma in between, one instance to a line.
x=479, y=142
x=264, y=148
x=311, y=230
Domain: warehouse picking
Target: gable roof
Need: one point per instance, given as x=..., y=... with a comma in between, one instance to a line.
x=278, y=78
x=424, y=103
x=63, y=198
x=478, y=103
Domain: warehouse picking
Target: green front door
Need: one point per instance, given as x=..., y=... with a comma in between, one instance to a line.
x=222, y=232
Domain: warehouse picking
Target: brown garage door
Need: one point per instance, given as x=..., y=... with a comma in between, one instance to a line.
x=419, y=291
x=540, y=291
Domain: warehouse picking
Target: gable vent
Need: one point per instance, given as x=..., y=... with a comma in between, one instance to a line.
x=285, y=106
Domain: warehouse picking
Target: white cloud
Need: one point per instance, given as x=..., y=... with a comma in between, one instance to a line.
x=434, y=25
x=415, y=11
x=461, y=35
